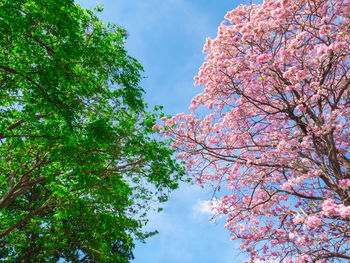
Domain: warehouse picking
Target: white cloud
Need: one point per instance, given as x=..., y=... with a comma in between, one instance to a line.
x=203, y=207
x=206, y=207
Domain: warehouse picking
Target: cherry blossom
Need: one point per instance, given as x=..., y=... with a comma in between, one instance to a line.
x=276, y=131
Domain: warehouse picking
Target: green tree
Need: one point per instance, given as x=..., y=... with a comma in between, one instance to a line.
x=79, y=165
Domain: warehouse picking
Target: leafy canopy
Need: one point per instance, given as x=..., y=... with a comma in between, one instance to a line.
x=79, y=164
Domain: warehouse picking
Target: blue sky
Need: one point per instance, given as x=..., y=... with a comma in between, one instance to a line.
x=167, y=37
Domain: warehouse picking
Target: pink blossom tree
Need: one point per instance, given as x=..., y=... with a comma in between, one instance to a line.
x=277, y=90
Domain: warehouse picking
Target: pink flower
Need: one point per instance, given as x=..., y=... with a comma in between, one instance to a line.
x=344, y=183
x=298, y=219
x=329, y=208
x=313, y=221
x=301, y=241
x=344, y=211
x=274, y=242
x=157, y=127
x=292, y=235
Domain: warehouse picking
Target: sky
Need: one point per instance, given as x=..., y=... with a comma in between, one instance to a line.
x=167, y=38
